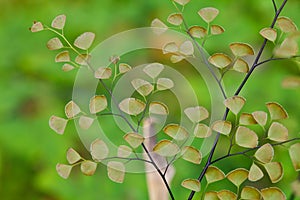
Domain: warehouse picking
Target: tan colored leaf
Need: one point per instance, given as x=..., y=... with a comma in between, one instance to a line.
x=216, y=30
x=67, y=67
x=36, y=27
x=226, y=195
x=286, y=25
x=170, y=48
x=85, y=122
x=123, y=68
x=72, y=109
x=58, y=124
x=85, y=40
x=132, y=106
x=198, y=31
x=175, y=19
x=186, y=48
x=245, y=137
x=223, y=127
x=88, y=167
x=276, y=111
x=164, y=84
x=294, y=154
x=182, y=2
x=241, y=49
x=202, y=131
x=191, y=184
x=103, y=73
x=196, y=114
x=141, y=86
x=124, y=151
x=73, y=156
x=153, y=69
x=63, y=170
x=220, y=60
x=176, y=131
x=237, y=176
x=214, y=174
x=275, y=171
x=83, y=59
x=211, y=196
x=158, y=108
x=265, y=153
x=54, y=44
x=277, y=132
x=116, y=171
x=272, y=193
x=114, y=59
x=208, y=14
x=97, y=104
x=166, y=148
x=288, y=48
x=260, y=117
x=99, y=150
x=158, y=26
x=59, y=22
x=134, y=139
x=247, y=119
x=192, y=154
x=241, y=65
x=269, y=33
x=291, y=82
x=296, y=188
x=255, y=173
x=250, y=193
x=63, y=57
x=235, y=104
x=176, y=58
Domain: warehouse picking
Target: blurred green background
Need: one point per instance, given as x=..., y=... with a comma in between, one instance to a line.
x=33, y=88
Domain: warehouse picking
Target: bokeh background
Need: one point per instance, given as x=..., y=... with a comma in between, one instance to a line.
x=33, y=88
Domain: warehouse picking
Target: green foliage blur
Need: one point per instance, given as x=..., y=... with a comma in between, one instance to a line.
x=33, y=88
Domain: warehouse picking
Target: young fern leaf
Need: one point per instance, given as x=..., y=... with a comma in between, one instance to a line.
x=59, y=22
x=214, y=174
x=272, y=193
x=99, y=150
x=58, y=124
x=72, y=109
x=196, y=114
x=191, y=184
x=192, y=154
x=116, y=171
x=73, y=156
x=88, y=167
x=249, y=192
x=85, y=40
x=226, y=195
x=134, y=139
x=223, y=127
x=63, y=170
x=166, y=148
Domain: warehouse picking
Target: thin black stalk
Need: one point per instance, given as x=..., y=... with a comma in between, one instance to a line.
x=209, y=160
x=159, y=172
x=252, y=149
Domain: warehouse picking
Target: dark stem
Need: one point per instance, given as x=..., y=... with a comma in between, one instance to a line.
x=159, y=172
x=252, y=149
x=209, y=160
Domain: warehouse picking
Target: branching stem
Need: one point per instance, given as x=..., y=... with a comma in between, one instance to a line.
x=254, y=65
